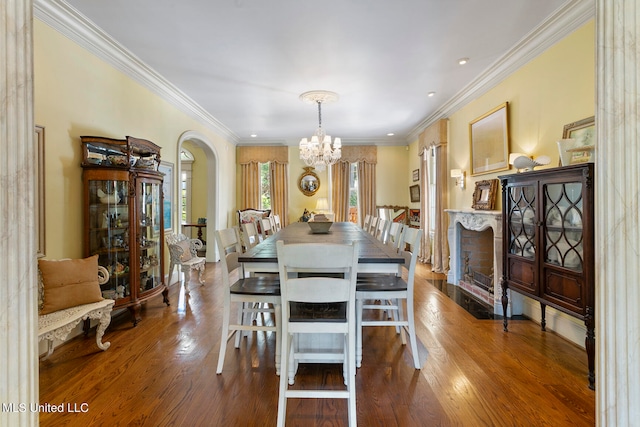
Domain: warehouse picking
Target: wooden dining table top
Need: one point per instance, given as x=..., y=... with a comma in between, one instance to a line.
x=371, y=250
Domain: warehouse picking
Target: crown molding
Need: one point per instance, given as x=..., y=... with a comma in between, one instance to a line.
x=68, y=21
x=568, y=18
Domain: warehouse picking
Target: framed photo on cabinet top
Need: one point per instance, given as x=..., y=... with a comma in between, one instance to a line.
x=489, y=141
x=578, y=142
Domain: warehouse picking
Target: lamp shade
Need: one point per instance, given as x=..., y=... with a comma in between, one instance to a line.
x=322, y=204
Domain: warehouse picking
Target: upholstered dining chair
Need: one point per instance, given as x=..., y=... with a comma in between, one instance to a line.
x=313, y=303
x=392, y=292
x=253, y=295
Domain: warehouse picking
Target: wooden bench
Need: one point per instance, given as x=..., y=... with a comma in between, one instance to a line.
x=59, y=324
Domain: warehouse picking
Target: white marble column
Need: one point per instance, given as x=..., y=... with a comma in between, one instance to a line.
x=617, y=211
x=18, y=306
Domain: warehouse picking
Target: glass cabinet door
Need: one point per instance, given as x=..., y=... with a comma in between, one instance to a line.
x=563, y=225
x=150, y=234
x=109, y=233
x=521, y=216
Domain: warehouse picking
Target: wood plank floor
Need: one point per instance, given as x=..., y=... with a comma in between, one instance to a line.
x=162, y=372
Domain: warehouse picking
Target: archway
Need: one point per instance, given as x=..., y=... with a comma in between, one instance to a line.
x=212, y=186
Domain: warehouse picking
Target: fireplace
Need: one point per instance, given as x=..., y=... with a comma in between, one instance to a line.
x=475, y=247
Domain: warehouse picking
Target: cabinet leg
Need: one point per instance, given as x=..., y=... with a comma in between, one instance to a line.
x=135, y=313
x=590, y=346
x=543, y=320
x=505, y=306
x=165, y=296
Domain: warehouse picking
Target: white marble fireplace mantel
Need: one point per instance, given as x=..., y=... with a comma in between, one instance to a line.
x=476, y=220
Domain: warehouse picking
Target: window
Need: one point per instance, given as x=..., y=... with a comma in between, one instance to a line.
x=186, y=165
x=431, y=170
x=353, y=193
x=265, y=186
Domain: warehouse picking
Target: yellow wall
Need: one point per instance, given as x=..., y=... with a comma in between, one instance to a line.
x=78, y=94
x=552, y=90
x=199, y=183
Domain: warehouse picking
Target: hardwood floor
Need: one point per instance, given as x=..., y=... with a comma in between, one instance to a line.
x=162, y=372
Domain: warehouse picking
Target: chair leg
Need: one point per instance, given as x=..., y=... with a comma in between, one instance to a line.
x=278, y=311
x=241, y=317
x=412, y=334
x=282, y=393
x=401, y=317
x=351, y=376
x=359, y=310
x=224, y=333
x=187, y=277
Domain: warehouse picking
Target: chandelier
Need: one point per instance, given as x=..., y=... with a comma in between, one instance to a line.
x=319, y=152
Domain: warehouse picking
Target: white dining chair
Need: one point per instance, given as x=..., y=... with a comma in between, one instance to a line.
x=367, y=222
x=266, y=228
x=381, y=230
x=316, y=289
x=250, y=235
x=393, y=235
x=277, y=223
x=391, y=292
x=373, y=226
x=253, y=295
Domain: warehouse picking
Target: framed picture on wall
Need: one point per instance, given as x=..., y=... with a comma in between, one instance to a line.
x=414, y=192
x=167, y=188
x=489, y=139
x=416, y=175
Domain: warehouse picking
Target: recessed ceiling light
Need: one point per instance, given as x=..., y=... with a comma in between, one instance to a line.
x=253, y=135
x=463, y=61
x=430, y=94
x=390, y=134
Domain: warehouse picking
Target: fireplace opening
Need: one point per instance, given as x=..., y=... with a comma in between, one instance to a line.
x=478, y=277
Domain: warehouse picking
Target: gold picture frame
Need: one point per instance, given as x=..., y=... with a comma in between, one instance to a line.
x=484, y=196
x=578, y=142
x=489, y=141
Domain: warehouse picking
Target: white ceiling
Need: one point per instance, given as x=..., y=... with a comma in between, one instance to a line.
x=246, y=61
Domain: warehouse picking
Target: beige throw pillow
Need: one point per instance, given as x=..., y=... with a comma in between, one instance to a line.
x=69, y=283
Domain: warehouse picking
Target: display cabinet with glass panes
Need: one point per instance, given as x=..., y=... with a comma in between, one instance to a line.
x=548, y=243
x=123, y=218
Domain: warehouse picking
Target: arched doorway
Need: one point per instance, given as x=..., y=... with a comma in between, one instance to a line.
x=212, y=184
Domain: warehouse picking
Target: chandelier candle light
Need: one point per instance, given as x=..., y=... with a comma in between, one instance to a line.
x=319, y=152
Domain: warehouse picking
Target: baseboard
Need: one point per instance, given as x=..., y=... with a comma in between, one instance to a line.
x=564, y=325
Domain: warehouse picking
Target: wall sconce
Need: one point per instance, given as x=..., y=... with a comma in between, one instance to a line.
x=459, y=175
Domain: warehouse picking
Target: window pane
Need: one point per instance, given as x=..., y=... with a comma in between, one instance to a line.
x=265, y=186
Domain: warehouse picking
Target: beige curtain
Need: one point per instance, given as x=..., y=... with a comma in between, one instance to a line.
x=279, y=176
x=249, y=158
x=250, y=186
x=340, y=193
x=366, y=189
x=438, y=247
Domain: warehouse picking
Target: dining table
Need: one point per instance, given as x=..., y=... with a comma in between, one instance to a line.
x=373, y=257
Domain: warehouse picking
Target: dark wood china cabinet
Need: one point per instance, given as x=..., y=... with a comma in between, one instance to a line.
x=123, y=218
x=548, y=238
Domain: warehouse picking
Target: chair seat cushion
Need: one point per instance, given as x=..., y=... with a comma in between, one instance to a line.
x=381, y=283
x=257, y=286
x=312, y=312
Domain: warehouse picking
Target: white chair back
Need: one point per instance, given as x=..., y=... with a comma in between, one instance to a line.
x=250, y=235
x=277, y=223
x=381, y=230
x=373, y=226
x=314, y=287
x=266, y=227
x=394, y=234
